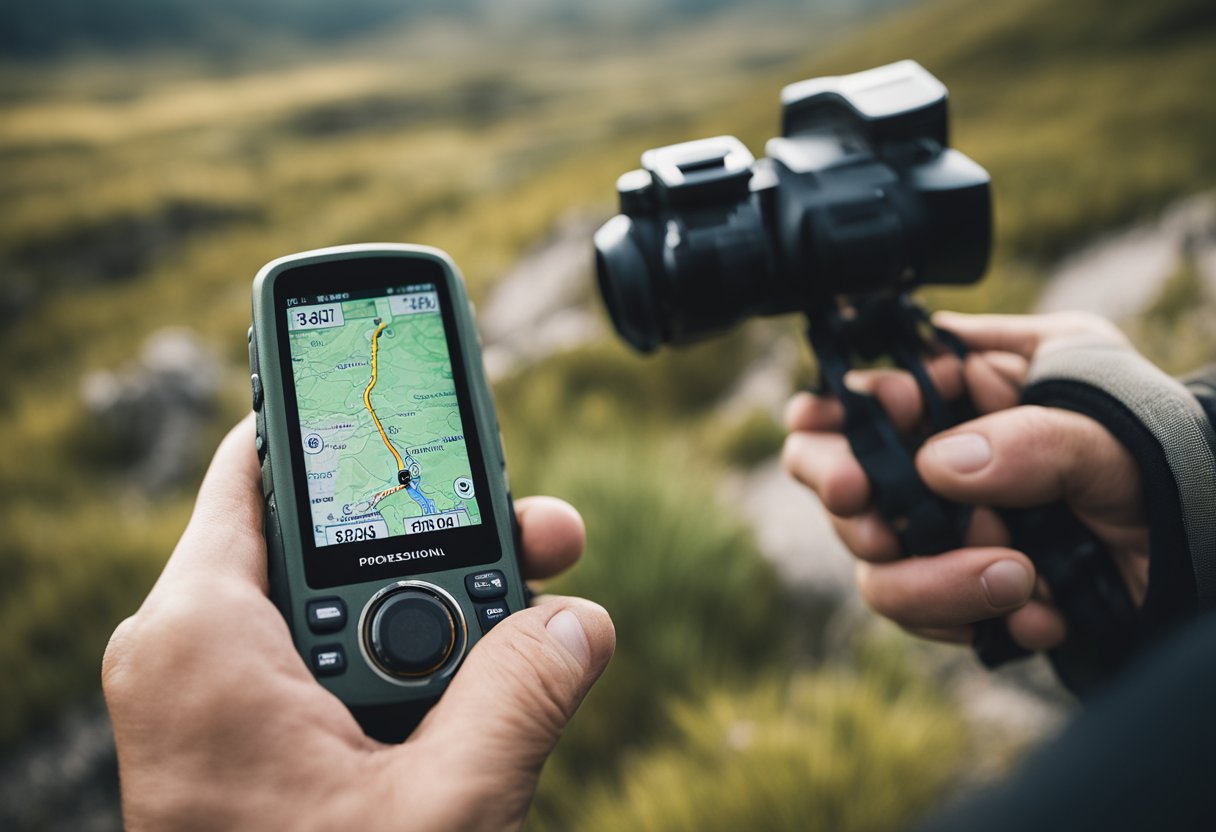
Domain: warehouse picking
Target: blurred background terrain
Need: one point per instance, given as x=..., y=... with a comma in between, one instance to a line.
x=155, y=153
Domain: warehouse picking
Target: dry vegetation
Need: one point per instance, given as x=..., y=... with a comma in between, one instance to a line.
x=136, y=197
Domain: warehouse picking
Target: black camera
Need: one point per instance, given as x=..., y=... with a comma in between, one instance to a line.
x=861, y=193
x=859, y=201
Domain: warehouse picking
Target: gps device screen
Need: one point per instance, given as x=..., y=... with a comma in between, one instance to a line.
x=384, y=448
x=385, y=439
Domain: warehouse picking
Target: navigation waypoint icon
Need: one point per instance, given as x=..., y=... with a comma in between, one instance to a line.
x=313, y=443
x=404, y=477
x=463, y=487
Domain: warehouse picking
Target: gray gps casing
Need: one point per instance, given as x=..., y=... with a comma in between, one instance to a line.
x=387, y=704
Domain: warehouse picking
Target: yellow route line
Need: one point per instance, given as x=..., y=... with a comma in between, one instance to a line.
x=367, y=396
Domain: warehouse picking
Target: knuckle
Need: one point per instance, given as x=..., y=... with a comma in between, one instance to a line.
x=1054, y=433
x=1083, y=323
x=1036, y=426
x=117, y=654
x=839, y=490
x=869, y=589
x=161, y=635
x=791, y=452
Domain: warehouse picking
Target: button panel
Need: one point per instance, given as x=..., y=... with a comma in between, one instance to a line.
x=485, y=585
x=328, y=660
x=326, y=615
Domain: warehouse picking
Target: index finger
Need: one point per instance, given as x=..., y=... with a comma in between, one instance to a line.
x=552, y=534
x=224, y=536
x=1022, y=334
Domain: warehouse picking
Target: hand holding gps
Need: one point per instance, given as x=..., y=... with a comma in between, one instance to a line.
x=389, y=525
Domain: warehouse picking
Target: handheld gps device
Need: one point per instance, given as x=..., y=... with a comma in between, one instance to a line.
x=389, y=525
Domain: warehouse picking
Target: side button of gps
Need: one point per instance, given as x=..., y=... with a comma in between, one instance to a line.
x=255, y=383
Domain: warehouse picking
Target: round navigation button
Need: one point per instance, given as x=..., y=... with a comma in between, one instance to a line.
x=411, y=633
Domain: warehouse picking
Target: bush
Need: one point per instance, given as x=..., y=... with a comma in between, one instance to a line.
x=695, y=605
x=750, y=439
x=1175, y=332
x=827, y=750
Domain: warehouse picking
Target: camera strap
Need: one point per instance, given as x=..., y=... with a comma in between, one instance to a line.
x=1084, y=582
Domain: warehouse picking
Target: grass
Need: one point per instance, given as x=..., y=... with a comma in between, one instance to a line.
x=1176, y=329
x=823, y=751
x=695, y=604
x=147, y=196
x=142, y=196
x=749, y=439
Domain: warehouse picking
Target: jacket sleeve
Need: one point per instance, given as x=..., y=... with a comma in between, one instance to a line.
x=1166, y=424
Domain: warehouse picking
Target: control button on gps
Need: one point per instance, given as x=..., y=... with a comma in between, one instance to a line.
x=491, y=614
x=412, y=633
x=326, y=615
x=255, y=382
x=328, y=660
x=483, y=586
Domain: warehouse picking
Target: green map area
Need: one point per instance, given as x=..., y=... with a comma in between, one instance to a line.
x=384, y=447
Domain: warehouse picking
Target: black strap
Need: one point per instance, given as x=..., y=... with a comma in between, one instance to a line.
x=1083, y=580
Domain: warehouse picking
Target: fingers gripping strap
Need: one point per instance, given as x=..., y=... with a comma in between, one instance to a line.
x=1168, y=433
x=923, y=522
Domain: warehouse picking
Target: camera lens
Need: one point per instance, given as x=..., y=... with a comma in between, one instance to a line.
x=625, y=283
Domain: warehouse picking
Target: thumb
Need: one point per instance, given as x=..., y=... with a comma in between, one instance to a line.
x=1030, y=455
x=521, y=684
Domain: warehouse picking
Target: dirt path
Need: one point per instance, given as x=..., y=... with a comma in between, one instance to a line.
x=544, y=304
x=1121, y=274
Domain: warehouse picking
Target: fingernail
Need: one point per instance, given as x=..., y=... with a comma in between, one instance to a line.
x=1007, y=583
x=568, y=630
x=962, y=452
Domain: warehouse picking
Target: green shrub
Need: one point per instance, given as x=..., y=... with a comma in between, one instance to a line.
x=69, y=581
x=694, y=603
x=604, y=390
x=748, y=440
x=824, y=751
x=1175, y=332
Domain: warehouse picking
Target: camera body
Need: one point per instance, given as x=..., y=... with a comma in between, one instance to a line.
x=860, y=194
x=390, y=530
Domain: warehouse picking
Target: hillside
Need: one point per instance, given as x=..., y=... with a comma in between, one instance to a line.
x=238, y=29
x=143, y=193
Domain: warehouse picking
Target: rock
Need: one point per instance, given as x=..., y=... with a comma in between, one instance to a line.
x=543, y=304
x=792, y=530
x=65, y=778
x=154, y=408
